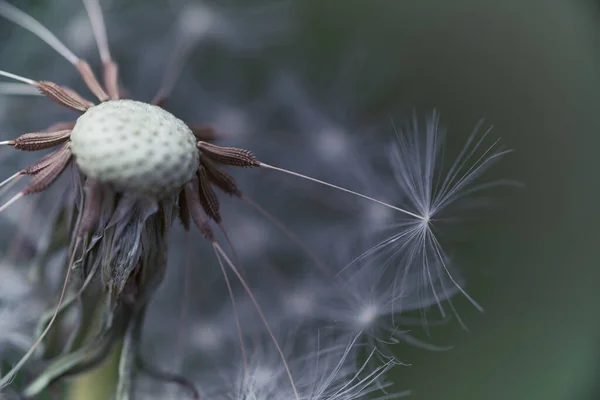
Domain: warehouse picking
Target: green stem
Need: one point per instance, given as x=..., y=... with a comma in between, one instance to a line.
x=100, y=383
x=128, y=357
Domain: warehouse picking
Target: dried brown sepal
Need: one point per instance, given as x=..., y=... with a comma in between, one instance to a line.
x=47, y=175
x=91, y=207
x=220, y=178
x=61, y=126
x=184, y=212
x=46, y=161
x=196, y=211
x=228, y=155
x=77, y=96
x=40, y=140
x=62, y=96
x=205, y=133
x=208, y=197
x=111, y=79
x=90, y=80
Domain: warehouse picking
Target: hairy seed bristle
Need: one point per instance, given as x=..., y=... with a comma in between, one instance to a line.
x=220, y=178
x=40, y=140
x=46, y=176
x=63, y=96
x=46, y=161
x=207, y=195
x=77, y=96
x=228, y=155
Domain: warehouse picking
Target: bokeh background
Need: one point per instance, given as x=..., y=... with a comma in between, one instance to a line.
x=530, y=68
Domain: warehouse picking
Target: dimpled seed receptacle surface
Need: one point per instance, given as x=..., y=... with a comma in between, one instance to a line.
x=136, y=147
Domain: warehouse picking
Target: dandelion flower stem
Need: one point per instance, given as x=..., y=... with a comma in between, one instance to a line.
x=98, y=384
x=128, y=357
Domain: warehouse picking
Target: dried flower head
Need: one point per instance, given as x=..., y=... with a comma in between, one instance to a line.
x=139, y=167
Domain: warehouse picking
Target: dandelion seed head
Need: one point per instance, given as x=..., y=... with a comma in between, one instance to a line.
x=135, y=147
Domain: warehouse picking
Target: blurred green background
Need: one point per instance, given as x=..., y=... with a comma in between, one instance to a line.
x=532, y=69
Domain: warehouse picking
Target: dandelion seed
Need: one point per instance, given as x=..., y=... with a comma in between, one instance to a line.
x=370, y=304
x=323, y=366
x=413, y=245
